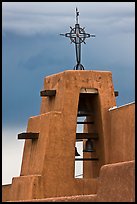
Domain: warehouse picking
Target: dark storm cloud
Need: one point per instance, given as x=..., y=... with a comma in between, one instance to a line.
x=25, y=64
x=32, y=18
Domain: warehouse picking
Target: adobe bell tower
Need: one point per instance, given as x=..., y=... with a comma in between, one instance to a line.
x=48, y=161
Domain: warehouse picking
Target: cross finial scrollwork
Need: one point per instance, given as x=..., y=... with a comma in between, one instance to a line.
x=77, y=36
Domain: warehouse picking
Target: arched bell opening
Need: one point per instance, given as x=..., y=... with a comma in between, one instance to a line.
x=87, y=135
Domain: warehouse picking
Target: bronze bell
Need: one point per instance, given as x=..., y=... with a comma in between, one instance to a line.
x=89, y=146
x=76, y=152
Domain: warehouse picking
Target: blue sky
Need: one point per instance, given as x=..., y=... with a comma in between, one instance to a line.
x=33, y=49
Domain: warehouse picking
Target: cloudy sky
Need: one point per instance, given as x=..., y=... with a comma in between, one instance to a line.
x=33, y=49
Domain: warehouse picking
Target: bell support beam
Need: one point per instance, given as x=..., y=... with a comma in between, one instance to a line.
x=87, y=136
x=84, y=122
x=86, y=159
x=28, y=135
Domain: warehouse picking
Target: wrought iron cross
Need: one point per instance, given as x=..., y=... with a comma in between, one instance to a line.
x=78, y=35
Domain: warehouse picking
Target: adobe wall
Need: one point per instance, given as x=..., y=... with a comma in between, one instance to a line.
x=116, y=184
x=122, y=140
x=6, y=192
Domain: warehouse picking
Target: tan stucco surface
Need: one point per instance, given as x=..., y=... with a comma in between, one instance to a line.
x=122, y=140
x=117, y=182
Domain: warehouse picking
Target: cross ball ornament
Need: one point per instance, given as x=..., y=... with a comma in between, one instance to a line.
x=78, y=35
